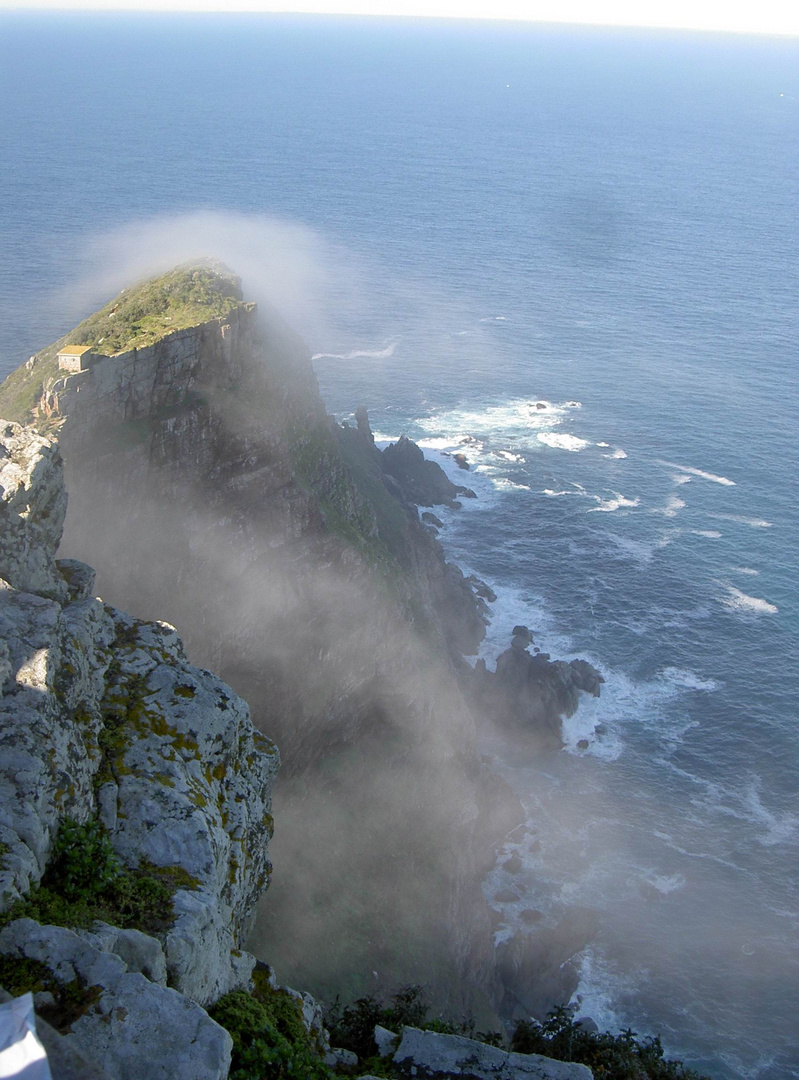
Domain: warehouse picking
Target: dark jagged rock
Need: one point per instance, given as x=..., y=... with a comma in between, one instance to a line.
x=482, y=590
x=535, y=967
x=530, y=692
x=460, y=461
x=423, y=482
x=431, y=519
x=586, y=677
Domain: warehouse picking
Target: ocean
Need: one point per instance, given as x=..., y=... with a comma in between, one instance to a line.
x=571, y=255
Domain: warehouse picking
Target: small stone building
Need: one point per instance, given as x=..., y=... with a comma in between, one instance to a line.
x=74, y=357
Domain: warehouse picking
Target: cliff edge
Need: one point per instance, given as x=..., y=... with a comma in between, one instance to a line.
x=134, y=787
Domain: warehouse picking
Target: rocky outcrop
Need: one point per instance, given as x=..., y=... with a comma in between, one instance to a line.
x=134, y=1027
x=422, y=482
x=102, y=718
x=430, y=1054
x=530, y=692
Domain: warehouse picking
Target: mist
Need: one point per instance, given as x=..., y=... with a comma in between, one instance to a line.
x=386, y=817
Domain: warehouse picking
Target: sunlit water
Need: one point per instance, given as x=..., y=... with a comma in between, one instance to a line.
x=573, y=258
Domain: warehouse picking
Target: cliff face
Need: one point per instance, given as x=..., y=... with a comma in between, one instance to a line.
x=209, y=488
x=104, y=723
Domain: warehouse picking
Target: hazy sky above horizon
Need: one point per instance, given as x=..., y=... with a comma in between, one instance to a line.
x=738, y=16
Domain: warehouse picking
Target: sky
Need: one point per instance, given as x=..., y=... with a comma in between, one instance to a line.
x=737, y=16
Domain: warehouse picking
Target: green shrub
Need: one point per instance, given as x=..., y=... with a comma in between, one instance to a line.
x=20, y=975
x=611, y=1057
x=352, y=1027
x=85, y=881
x=269, y=1039
x=82, y=864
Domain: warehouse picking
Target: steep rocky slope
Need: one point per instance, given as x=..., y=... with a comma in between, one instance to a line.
x=208, y=487
x=111, y=738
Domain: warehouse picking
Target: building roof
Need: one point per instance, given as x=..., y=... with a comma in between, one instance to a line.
x=74, y=350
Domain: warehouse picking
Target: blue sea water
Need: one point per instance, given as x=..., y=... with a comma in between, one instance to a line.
x=573, y=256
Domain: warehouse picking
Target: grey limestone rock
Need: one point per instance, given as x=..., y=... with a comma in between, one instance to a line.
x=184, y=783
x=430, y=1054
x=386, y=1041
x=133, y=1027
x=65, y=1060
x=33, y=504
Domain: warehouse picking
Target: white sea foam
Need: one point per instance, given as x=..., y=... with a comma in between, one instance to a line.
x=739, y=601
x=746, y=570
x=714, y=477
x=449, y=443
x=673, y=506
x=608, y=505
x=638, y=549
x=617, y=454
x=756, y=523
x=562, y=442
x=685, y=679
x=778, y=827
x=495, y=318
x=502, y=483
x=374, y=354
x=710, y=534
x=680, y=478
x=663, y=883
x=510, y=420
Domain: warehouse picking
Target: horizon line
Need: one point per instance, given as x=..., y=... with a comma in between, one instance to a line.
x=154, y=7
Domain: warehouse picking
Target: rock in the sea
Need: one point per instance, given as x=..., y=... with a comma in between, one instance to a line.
x=533, y=692
x=431, y=519
x=430, y=1054
x=423, y=482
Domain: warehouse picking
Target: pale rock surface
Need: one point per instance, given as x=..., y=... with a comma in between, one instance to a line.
x=385, y=1040
x=33, y=504
x=134, y=1028
x=102, y=715
x=430, y=1054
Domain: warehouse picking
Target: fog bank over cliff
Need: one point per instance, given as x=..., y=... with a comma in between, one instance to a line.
x=208, y=487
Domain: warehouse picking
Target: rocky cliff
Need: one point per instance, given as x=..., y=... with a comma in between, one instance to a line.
x=208, y=487
x=147, y=765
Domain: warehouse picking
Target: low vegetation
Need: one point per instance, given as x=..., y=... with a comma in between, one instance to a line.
x=138, y=317
x=85, y=881
x=270, y=1041
x=611, y=1057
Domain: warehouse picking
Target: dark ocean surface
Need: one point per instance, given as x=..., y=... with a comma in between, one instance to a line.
x=572, y=255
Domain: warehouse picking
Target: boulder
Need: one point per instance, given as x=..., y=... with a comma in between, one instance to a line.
x=130, y=1027
x=430, y=1054
x=385, y=1040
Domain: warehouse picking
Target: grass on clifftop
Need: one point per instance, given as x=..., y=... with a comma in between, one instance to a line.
x=138, y=317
